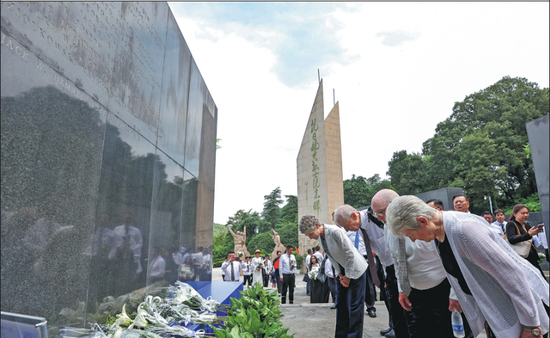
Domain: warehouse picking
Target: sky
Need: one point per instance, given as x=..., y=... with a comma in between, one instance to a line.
x=396, y=70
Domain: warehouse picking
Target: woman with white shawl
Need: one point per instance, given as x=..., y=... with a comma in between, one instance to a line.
x=257, y=266
x=493, y=284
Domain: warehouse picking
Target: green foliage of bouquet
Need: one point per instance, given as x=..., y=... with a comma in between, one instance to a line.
x=255, y=315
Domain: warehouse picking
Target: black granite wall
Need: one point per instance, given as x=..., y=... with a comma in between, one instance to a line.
x=105, y=120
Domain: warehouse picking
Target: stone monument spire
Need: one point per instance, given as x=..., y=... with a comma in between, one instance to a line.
x=319, y=167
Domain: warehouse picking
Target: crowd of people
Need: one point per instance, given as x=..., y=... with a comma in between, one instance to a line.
x=428, y=263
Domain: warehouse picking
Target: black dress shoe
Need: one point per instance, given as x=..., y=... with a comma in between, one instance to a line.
x=333, y=306
x=371, y=313
x=390, y=334
x=384, y=332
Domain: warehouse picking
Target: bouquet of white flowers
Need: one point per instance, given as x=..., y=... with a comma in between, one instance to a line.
x=313, y=275
x=259, y=265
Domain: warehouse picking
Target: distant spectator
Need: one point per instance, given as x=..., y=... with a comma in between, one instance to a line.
x=520, y=214
x=171, y=268
x=461, y=203
x=157, y=267
x=247, y=271
x=500, y=220
x=488, y=217
x=435, y=203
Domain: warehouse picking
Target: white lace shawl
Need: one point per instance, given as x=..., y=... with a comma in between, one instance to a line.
x=507, y=291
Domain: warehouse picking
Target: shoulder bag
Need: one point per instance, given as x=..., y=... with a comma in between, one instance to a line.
x=521, y=248
x=321, y=276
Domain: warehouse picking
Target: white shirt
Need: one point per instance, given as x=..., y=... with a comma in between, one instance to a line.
x=423, y=264
x=542, y=239
x=198, y=259
x=267, y=266
x=342, y=252
x=328, y=269
x=157, y=267
x=107, y=238
x=308, y=260
x=502, y=226
x=177, y=258
x=361, y=245
x=247, y=268
x=226, y=268
x=377, y=242
x=134, y=239
x=207, y=260
x=286, y=262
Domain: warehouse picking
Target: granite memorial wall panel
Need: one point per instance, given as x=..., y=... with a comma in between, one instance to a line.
x=108, y=156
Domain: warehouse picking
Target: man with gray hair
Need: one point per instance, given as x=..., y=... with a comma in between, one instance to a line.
x=350, y=266
x=371, y=230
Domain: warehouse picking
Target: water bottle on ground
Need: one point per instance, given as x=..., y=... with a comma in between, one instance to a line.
x=458, y=326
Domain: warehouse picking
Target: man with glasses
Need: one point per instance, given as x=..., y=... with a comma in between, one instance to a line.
x=373, y=236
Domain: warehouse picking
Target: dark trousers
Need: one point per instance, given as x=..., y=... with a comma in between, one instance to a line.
x=279, y=283
x=370, y=291
x=247, y=278
x=397, y=312
x=308, y=286
x=350, y=309
x=431, y=311
x=288, y=284
x=332, y=286
x=383, y=294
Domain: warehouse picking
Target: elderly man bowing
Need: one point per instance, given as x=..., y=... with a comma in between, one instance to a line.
x=350, y=266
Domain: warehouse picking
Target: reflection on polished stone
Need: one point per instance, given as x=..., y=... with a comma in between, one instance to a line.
x=108, y=158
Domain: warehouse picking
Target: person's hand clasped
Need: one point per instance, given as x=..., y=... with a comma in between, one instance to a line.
x=344, y=280
x=404, y=301
x=454, y=304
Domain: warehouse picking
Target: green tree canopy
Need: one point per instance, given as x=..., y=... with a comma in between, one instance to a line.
x=480, y=147
x=358, y=191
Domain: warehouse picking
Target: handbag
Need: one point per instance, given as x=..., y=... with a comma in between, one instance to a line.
x=321, y=276
x=306, y=278
x=521, y=248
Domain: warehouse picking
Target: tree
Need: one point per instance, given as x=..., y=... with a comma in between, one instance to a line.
x=272, y=212
x=407, y=172
x=289, y=213
x=481, y=146
x=358, y=191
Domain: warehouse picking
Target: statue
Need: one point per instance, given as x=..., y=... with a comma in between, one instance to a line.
x=278, y=245
x=240, y=242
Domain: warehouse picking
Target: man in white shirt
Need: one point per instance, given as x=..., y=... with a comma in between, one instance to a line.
x=287, y=268
x=352, y=220
x=267, y=270
x=157, y=267
x=500, y=220
x=232, y=268
x=247, y=271
x=318, y=254
x=350, y=267
x=131, y=243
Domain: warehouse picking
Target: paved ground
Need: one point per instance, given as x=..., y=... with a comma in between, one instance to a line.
x=307, y=320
